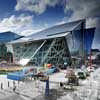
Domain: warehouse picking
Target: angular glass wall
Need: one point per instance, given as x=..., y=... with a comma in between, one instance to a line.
x=53, y=51
x=25, y=51
x=75, y=41
x=88, y=39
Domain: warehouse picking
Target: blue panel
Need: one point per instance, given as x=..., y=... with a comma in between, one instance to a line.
x=79, y=42
x=15, y=76
x=27, y=71
x=74, y=41
x=88, y=39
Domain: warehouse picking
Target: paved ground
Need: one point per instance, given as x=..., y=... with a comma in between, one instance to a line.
x=89, y=89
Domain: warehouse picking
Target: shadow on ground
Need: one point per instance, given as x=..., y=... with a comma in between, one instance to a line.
x=54, y=95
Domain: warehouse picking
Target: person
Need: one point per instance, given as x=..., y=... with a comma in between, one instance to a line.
x=1, y=86
x=8, y=83
x=61, y=84
x=14, y=88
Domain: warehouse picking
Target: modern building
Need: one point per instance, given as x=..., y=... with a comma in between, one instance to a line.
x=56, y=45
x=4, y=38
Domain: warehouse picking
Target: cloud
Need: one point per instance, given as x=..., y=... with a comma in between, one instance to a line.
x=31, y=31
x=80, y=9
x=83, y=8
x=22, y=25
x=16, y=23
x=37, y=6
x=91, y=22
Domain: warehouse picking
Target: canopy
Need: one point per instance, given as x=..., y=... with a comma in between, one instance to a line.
x=53, y=32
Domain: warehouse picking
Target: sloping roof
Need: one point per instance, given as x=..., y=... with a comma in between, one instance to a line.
x=55, y=31
x=8, y=36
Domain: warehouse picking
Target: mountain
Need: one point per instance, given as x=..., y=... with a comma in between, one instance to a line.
x=8, y=36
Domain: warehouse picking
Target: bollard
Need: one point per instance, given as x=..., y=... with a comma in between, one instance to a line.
x=47, y=87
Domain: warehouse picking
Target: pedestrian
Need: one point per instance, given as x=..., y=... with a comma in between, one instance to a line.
x=1, y=86
x=14, y=88
x=8, y=83
x=61, y=84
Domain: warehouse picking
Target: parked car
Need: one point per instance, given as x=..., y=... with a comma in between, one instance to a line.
x=81, y=75
x=72, y=77
x=52, y=70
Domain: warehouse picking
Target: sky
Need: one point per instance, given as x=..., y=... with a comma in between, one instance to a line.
x=25, y=17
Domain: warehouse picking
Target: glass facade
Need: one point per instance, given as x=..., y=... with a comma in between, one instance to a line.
x=75, y=41
x=54, y=51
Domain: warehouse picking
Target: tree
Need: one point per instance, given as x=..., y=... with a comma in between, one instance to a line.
x=3, y=51
x=4, y=55
x=9, y=57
